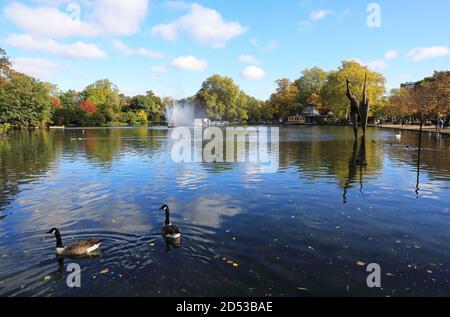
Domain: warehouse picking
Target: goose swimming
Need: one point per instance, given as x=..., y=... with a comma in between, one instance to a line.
x=82, y=247
x=169, y=230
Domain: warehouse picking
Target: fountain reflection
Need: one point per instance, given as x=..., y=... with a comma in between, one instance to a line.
x=357, y=163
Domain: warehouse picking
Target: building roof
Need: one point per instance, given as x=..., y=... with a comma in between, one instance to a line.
x=310, y=110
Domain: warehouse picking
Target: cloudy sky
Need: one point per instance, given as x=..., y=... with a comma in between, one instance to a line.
x=172, y=46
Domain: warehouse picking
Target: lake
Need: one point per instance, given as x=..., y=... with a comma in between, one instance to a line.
x=309, y=229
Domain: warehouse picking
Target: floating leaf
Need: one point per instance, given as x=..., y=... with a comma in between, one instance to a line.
x=104, y=271
x=235, y=264
x=360, y=263
x=430, y=271
x=47, y=278
x=303, y=289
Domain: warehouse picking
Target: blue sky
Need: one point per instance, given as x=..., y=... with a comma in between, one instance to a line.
x=172, y=46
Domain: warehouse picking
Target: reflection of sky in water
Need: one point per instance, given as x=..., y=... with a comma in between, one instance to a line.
x=284, y=229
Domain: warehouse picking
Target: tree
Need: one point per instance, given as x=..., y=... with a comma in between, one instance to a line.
x=105, y=95
x=219, y=96
x=88, y=106
x=141, y=103
x=25, y=102
x=5, y=66
x=310, y=86
x=70, y=99
x=157, y=109
x=334, y=90
x=284, y=100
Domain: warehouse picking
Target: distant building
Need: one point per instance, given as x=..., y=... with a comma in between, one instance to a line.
x=310, y=115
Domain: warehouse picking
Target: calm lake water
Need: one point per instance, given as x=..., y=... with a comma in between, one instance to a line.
x=305, y=230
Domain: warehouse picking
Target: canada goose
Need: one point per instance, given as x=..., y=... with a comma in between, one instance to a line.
x=169, y=230
x=82, y=247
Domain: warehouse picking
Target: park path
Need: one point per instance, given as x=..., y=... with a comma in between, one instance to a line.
x=410, y=128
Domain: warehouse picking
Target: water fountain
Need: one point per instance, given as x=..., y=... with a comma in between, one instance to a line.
x=182, y=114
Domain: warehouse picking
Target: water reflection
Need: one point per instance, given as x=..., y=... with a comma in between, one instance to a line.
x=306, y=225
x=356, y=164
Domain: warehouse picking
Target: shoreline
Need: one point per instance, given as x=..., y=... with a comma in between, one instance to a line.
x=410, y=128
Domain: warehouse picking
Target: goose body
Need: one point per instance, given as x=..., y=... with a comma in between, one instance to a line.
x=82, y=247
x=169, y=230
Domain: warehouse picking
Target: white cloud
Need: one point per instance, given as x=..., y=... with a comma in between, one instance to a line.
x=253, y=73
x=119, y=17
x=271, y=45
x=204, y=25
x=158, y=69
x=122, y=47
x=189, y=63
x=76, y=50
x=36, y=67
x=248, y=59
x=391, y=55
x=319, y=15
x=106, y=17
x=377, y=65
x=48, y=22
x=420, y=53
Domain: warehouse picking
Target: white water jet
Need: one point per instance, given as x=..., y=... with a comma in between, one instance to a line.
x=182, y=114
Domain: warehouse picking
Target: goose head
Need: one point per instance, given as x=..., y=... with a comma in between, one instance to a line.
x=53, y=231
x=164, y=208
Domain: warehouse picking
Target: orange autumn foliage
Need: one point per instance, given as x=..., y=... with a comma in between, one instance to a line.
x=57, y=103
x=88, y=106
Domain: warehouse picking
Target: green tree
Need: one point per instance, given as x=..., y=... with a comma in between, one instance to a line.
x=157, y=110
x=310, y=86
x=25, y=102
x=105, y=95
x=70, y=99
x=219, y=96
x=334, y=90
x=5, y=66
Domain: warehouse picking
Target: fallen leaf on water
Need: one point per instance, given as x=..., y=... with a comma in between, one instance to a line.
x=235, y=264
x=47, y=278
x=430, y=271
x=104, y=271
x=229, y=262
x=359, y=263
x=303, y=289
x=390, y=274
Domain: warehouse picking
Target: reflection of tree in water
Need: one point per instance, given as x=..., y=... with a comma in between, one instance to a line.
x=356, y=165
x=104, y=146
x=318, y=159
x=24, y=156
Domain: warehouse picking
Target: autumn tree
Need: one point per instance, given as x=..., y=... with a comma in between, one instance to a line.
x=310, y=86
x=284, y=100
x=105, y=95
x=88, y=106
x=334, y=90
